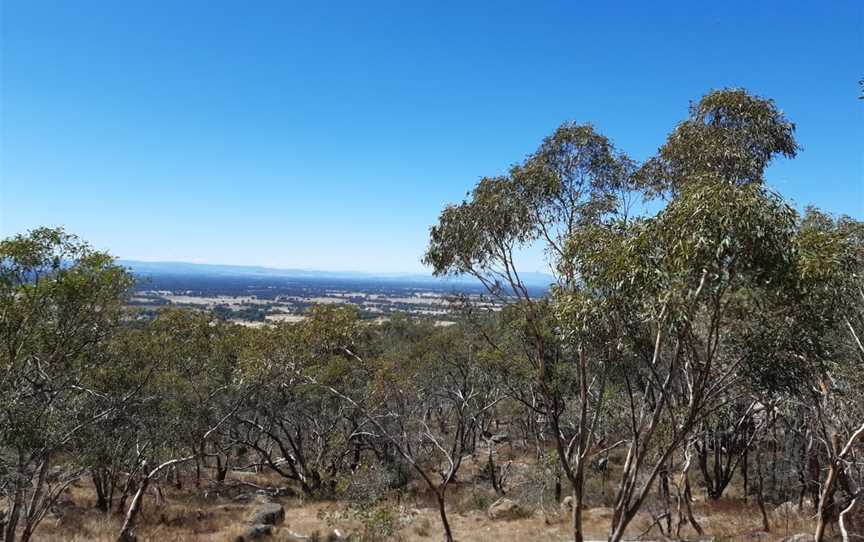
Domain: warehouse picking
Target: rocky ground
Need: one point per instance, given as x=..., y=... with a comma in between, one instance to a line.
x=235, y=512
x=260, y=506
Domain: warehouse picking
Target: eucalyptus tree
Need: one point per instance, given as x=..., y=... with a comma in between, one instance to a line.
x=448, y=379
x=812, y=357
x=830, y=302
x=192, y=391
x=575, y=179
x=675, y=285
x=725, y=438
x=296, y=429
x=729, y=136
x=418, y=391
x=106, y=448
x=60, y=300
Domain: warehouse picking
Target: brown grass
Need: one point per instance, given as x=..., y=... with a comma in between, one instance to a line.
x=187, y=516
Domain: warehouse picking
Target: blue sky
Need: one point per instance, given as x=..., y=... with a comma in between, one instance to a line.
x=329, y=135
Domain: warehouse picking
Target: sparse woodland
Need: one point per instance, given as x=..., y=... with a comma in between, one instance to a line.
x=702, y=343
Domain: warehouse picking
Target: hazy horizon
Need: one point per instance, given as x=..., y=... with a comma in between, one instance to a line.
x=278, y=268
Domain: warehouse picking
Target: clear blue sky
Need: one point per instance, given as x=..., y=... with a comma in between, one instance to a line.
x=329, y=135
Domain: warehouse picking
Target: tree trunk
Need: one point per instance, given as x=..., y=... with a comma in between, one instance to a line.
x=221, y=469
x=576, y=515
x=493, y=473
x=14, y=514
x=842, y=519
x=448, y=534
x=33, y=516
x=745, y=471
x=127, y=533
x=826, y=497
x=685, y=497
x=688, y=499
x=826, y=504
x=129, y=487
x=178, y=481
x=760, y=496
x=100, y=484
x=557, y=487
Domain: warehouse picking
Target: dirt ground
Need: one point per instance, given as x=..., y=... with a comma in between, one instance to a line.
x=193, y=515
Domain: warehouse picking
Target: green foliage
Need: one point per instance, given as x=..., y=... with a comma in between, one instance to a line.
x=59, y=299
x=574, y=178
x=538, y=491
x=469, y=235
x=729, y=233
x=730, y=136
x=366, y=495
x=801, y=329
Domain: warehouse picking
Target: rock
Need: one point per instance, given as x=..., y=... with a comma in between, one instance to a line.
x=255, y=532
x=267, y=514
x=504, y=508
x=566, y=505
x=201, y=514
x=800, y=537
x=291, y=536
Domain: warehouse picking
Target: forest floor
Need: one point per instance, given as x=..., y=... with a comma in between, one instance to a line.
x=190, y=514
x=193, y=520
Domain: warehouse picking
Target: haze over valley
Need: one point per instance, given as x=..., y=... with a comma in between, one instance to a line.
x=260, y=295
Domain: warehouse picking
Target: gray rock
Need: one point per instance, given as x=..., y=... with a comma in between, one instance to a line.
x=202, y=514
x=292, y=536
x=255, y=532
x=267, y=514
x=505, y=509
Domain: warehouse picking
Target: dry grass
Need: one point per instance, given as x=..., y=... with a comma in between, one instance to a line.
x=187, y=516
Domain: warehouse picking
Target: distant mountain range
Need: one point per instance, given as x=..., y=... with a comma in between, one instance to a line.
x=534, y=279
